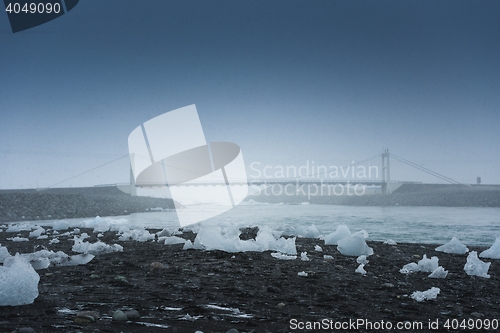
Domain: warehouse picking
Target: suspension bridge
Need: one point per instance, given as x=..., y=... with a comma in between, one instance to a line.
x=374, y=172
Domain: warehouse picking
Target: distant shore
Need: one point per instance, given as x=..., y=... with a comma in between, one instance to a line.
x=61, y=203
x=406, y=195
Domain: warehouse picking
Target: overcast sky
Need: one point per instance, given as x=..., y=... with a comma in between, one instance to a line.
x=289, y=81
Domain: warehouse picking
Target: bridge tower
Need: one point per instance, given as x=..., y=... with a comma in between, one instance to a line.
x=386, y=172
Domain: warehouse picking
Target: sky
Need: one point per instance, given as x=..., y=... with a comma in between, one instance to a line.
x=290, y=82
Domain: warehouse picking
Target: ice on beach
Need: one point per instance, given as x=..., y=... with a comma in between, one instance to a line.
x=493, y=252
x=454, y=246
x=429, y=294
x=37, y=232
x=409, y=268
x=355, y=245
x=54, y=241
x=60, y=225
x=424, y=265
x=215, y=238
x=307, y=231
x=81, y=246
x=166, y=232
x=428, y=265
x=4, y=253
x=279, y=255
x=303, y=274
x=390, y=242
x=304, y=257
x=362, y=260
x=139, y=235
x=42, y=237
x=44, y=258
x=327, y=257
x=172, y=240
x=360, y=269
x=474, y=266
x=188, y=245
x=19, y=227
x=439, y=273
x=18, y=239
x=318, y=248
x=341, y=232
x=18, y=283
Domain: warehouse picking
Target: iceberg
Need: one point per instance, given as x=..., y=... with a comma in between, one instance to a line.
x=474, y=266
x=493, y=252
x=454, y=246
x=18, y=283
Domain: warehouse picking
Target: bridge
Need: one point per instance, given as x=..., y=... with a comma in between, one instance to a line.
x=320, y=178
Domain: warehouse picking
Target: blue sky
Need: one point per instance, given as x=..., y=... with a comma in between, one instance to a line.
x=289, y=81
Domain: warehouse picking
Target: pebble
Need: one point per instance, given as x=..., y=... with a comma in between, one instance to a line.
x=132, y=314
x=477, y=314
x=25, y=330
x=388, y=285
x=280, y=305
x=86, y=317
x=273, y=289
x=119, y=315
x=155, y=265
x=232, y=330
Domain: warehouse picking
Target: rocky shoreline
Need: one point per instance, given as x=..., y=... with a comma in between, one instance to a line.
x=215, y=291
x=31, y=205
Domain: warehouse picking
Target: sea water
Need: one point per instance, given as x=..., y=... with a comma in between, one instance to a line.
x=436, y=225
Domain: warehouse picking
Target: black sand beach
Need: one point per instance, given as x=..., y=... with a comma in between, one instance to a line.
x=200, y=290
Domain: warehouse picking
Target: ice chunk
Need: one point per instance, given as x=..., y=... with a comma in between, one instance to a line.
x=439, y=273
x=361, y=269
x=390, y=242
x=60, y=225
x=37, y=232
x=18, y=283
x=354, y=245
x=328, y=257
x=18, y=239
x=420, y=296
x=174, y=240
x=428, y=265
x=19, y=227
x=318, y=248
x=409, y=268
x=493, y=252
x=303, y=274
x=4, y=253
x=286, y=246
x=54, y=241
x=282, y=256
x=341, y=232
x=454, y=246
x=42, y=237
x=188, y=245
x=362, y=260
x=81, y=246
x=303, y=256
x=140, y=235
x=474, y=266
x=307, y=231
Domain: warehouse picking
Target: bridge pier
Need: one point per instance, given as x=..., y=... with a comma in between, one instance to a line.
x=386, y=172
